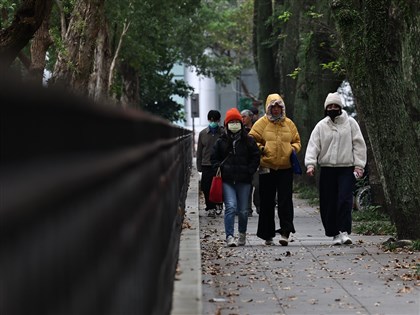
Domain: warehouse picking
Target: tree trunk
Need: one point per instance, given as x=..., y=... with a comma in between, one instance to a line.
x=268, y=76
x=130, y=94
x=39, y=47
x=75, y=64
x=376, y=37
x=27, y=20
x=317, y=41
x=288, y=52
x=98, y=83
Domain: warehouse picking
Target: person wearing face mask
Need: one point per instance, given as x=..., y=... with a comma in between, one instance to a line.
x=277, y=137
x=336, y=144
x=206, y=140
x=248, y=121
x=238, y=156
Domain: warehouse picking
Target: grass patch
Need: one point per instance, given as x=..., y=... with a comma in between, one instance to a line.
x=416, y=246
x=309, y=193
x=372, y=222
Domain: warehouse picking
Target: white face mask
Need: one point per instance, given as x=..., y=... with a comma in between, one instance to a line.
x=234, y=127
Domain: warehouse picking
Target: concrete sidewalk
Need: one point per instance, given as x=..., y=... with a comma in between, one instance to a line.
x=310, y=276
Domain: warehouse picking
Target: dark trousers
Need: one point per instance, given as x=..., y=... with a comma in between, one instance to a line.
x=278, y=182
x=336, y=185
x=207, y=173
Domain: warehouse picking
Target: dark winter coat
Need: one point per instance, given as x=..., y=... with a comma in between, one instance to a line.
x=243, y=157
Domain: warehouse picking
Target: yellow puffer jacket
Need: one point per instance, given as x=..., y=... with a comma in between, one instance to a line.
x=276, y=138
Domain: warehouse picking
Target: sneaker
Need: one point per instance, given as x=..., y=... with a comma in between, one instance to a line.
x=219, y=209
x=242, y=239
x=230, y=241
x=337, y=240
x=269, y=242
x=345, y=239
x=211, y=213
x=283, y=240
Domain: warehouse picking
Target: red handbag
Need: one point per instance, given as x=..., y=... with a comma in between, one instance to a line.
x=216, y=189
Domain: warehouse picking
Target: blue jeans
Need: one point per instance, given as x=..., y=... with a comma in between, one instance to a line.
x=235, y=197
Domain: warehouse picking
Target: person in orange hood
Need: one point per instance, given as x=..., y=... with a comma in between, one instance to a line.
x=277, y=137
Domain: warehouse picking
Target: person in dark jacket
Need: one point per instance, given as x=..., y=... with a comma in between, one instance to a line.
x=254, y=194
x=206, y=140
x=238, y=156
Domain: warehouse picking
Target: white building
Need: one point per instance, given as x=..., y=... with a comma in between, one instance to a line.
x=212, y=95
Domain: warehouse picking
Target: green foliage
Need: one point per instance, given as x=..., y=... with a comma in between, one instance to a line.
x=284, y=16
x=314, y=15
x=157, y=92
x=214, y=37
x=245, y=103
x=226, y=34
x=416, y=246
x=295, y=73
x=310, y=193
x=335, y=66
x=372, y=222
x=7, y=11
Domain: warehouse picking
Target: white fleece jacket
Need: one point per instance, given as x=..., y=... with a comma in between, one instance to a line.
x=336, y=144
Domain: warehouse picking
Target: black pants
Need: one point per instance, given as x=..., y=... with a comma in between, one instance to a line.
x=336, y=185
x=278, y=182
x=207, y=173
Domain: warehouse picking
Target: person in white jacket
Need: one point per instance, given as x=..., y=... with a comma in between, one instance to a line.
x=336, y=144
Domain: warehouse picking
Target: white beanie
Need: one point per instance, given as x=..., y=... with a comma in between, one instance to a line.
x=333, y=98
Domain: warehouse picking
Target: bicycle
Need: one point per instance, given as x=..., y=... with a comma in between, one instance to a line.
x=362, y=199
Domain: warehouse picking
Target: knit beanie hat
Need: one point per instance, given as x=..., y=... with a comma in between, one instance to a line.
x=233, y=114
x=333, y=98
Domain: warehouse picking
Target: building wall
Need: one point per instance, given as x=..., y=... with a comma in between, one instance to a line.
x=214, y=96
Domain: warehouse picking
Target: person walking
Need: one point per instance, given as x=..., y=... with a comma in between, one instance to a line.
x=255, y=114
x=337, y=145
x=238, y=156
x=276, y=136
x=248, y=121
x=206, y=140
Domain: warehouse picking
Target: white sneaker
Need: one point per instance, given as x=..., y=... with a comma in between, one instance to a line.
x=283, y=240
x=230, y=241
x=337, y=240
x=242, y=239
x=345, y=239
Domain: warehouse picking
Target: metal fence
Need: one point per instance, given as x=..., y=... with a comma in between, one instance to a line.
x=91, y=207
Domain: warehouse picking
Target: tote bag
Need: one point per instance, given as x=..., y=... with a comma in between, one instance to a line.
x=216, y=189
x=295, y=163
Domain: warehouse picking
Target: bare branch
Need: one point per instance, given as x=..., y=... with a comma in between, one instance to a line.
x=126, y=26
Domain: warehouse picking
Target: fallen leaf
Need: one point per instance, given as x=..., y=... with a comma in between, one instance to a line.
x=404, y=290
x=217, y=300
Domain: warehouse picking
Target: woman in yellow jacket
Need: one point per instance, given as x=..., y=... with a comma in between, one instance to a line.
x=277, y=137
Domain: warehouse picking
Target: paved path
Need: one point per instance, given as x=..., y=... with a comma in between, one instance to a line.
x=310, y=276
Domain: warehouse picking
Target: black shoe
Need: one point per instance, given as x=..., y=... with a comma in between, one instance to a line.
x=219, y=209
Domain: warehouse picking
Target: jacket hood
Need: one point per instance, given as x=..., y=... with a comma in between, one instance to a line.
x=271, y=100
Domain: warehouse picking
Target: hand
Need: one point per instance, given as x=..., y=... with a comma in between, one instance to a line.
x=359, y=171
x=310, y=171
